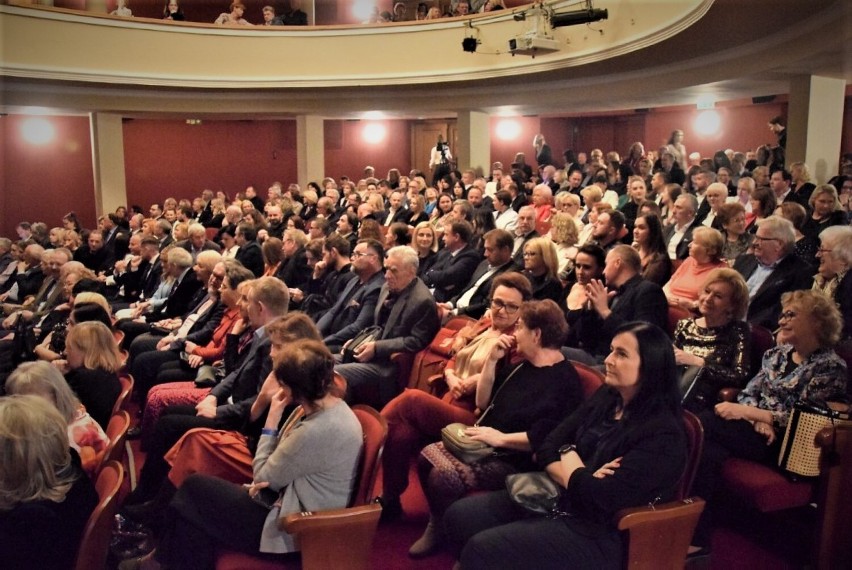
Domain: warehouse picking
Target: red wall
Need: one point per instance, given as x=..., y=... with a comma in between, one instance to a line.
x=346, y=151
x=171, y=158
x=504, y=151
x=45, y=182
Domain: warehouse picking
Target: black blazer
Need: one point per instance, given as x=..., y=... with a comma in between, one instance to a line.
x=791, y=274
x=242, y=386
x=294, y=270
x=150, y=278
x=412, y=322
x=251, y=257
x=353, y=311
x=179, y=300
x=682, y=250
x=480, y=301
x=450, y=272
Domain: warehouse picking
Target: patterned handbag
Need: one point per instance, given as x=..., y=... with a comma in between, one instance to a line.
x=799, y=453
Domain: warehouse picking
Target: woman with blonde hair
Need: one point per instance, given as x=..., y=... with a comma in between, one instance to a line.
x=45, y=498
x=425, y=242
x=91, y=368
x=563, y=232
x=234, y=17
x=705, y=255
x=802, y=187
x=84, y=434
x=826, y=211
x=541, y=267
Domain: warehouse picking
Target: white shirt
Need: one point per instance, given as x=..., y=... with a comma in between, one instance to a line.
x=508, y=220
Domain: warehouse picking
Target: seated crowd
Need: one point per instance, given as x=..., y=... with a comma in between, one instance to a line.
x=251, y=325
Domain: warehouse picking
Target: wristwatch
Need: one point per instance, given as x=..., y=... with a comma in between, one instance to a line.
x=567, y=449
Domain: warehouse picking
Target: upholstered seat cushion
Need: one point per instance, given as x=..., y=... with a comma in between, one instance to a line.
x=764, y=488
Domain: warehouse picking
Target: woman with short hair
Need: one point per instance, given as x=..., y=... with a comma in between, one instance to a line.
x=234, y=17
x=705, y=255
x=833, y=278
x=732, y=217
x=541, y=267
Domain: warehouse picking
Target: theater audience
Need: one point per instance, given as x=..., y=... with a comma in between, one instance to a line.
x=832, y=277
x=805, y=246
x=732, y=218
x=705, y=255
x=648, y=241
x=825, y=211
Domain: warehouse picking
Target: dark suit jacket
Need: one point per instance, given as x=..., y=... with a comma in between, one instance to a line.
x=251, y=257
x=202, y=329
x=150, y=279
x=29, y=282
x=294, y=270
x=791, y=274
x=636, y=300
x=412, y=323
x=167, y=242
x=97, y=261
x=518, y=257
x=480, y=301
x=242, y=386
x=179, y=299
x=353, y=311
x=682, y=251
x=703, y=210
x=450, y=272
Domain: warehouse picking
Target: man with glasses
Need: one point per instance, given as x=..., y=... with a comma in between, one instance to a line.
x=771, y=270
x=354, y=308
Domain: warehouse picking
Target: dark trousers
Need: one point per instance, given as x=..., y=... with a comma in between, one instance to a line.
x=493, y=532
x=206, y=514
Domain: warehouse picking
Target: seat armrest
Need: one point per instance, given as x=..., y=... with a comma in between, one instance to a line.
x=404, y=361
x=341, y=538
x=659, y=536
x=728, y=394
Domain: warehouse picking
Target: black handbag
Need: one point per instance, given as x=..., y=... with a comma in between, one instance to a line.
x=369, y=334
x=536, y=492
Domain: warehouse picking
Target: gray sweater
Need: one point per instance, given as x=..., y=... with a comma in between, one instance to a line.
x=313, y=466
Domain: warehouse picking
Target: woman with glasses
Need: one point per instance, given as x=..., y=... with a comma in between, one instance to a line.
x=415, y=417
x=522, y=404
x=802, y=366
x=833, y=278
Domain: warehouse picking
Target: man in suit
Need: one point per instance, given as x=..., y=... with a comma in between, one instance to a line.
x=355, y=308
x=678, y=235
x=454, y=264
x=524, y=232
x=184, y=288
x=703, y=180
x=408, y=316
x=781, y=183
x=149, y=250
x=395, y=213
x=162, y=230
x=473, y=299
x=197, y=241
x=609, y=230
x=228, y=405
x=249, y=253
x=771, y=270
x=48, y=295
x=27, y=282
x=94, y=255
x=625, y=297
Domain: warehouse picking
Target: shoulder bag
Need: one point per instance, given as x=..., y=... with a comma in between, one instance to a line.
x=369, y=334
x=800, y=455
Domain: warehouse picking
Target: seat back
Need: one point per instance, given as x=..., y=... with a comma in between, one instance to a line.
x=375, y=429
x=833, y=548
x=94, y=545
x=433, y=359
x=590, y=378
x=695, y=447
x=761, y=341
x=676, y=314
x=126, y=389
x=117, y=433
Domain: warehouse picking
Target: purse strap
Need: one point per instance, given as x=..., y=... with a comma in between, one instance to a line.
x=497, y=393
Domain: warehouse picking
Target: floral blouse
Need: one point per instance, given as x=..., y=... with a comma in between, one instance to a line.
x=780, y=382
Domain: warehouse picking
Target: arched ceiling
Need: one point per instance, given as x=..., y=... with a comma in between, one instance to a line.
x=651, y=53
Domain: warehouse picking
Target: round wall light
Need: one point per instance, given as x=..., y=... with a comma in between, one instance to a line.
x=708, y=123
x=508, y=129
x=38, y=130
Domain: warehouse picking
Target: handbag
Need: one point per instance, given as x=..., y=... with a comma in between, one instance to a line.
x=464, y=448
x=799, y=454
x=696, y=390
x=209, y=375
x=369, y=334
x=536, y=492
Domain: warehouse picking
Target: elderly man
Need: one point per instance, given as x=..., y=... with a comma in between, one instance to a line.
x=524, y=232
x=185, y=286
x=771, y=270
x=27, y=282
x=678, y=235
x=625, y=297
x=408, y=316
x=198, y=242
x=48, y=295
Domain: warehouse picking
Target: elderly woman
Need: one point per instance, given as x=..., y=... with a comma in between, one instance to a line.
x=541, y=267
x=718, y=340
x=732, y=218
x=705, y=255
x=523, y=402
x=802, y=366
x=309, y=464
x=91, y=368
x=625, y=447
x=45, y=498
x=832, y=278
x=563, y=233
x=569, y=203
x=648, y=241
x=84, y=434
x=591, y=195
x=415, y=417
x=716, y=195
x=825, y=211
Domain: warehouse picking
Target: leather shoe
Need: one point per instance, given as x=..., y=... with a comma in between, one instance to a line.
x=134, y=433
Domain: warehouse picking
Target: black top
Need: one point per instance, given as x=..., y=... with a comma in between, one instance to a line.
x=45, y=534
x=97, y=389
x=533, y=400
x=653, y=449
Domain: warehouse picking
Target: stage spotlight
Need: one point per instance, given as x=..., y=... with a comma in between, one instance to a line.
x=469, y=44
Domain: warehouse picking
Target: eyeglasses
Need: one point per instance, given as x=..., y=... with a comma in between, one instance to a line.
x=787, y=315
x=510, y=309
x=823, y=251
x=359, y=254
